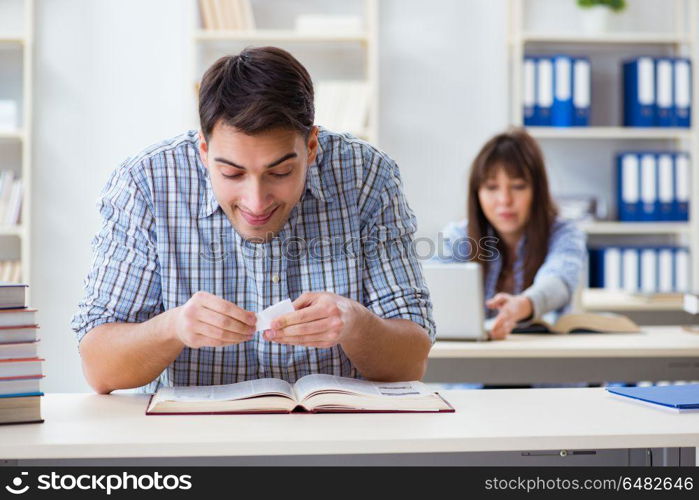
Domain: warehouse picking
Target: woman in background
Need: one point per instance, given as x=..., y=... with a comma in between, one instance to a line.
x=533, y=263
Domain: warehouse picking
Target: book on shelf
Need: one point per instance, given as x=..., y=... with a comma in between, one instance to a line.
x=343, y=105
x=8, y=115
x=228, y=15
x=583, y=323
x=10, y=271
x=328, y=23
x=13, y=295
x=317, y=393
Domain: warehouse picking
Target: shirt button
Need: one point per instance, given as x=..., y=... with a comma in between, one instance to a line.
x=275, y=278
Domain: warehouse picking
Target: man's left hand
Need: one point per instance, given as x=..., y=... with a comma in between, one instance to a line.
x=321, y=319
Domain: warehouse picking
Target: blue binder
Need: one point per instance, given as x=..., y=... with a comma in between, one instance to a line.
x=682, y=91
x=682, y=171
x=666, y=206
x=562, y=108
x=628, y=187
x=582, y=91
x=529, y=91
x=639, y=92
x=544, y=91
x=664, y=92
x=649, y=186
x=680, y=397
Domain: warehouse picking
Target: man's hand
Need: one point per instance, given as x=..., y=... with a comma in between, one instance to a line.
x=206, y=320
x=321, y=319
x=513, y=308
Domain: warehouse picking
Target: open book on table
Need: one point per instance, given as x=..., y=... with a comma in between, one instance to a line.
x=316, y=393
x=582, y=323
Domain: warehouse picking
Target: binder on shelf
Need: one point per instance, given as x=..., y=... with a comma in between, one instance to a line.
x=649, y=187
x=581, y=92
x=666, y=273
x=562, y=107
x=605, y=268
x=544, y=91
x=529, y=91
x=665, y=206
x=664, y=92
x=649, y=270
x=682, y=105
x=682, y=269
x=682, y=187
x=639, y=92
x=630, y=270
x=628, y=187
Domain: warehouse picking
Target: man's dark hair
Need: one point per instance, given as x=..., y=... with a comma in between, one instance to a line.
x=257, y=90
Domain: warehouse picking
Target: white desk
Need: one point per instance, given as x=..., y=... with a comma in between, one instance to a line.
x=657, y=353
x=487, y=425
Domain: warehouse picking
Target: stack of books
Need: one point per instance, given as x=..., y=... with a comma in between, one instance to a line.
x=20, y=365
x=233, y=15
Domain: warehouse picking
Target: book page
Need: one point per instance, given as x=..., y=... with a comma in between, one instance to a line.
x=310, y=385
x=241, y=390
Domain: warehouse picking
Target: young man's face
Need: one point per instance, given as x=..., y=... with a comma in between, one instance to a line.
x=257, y=179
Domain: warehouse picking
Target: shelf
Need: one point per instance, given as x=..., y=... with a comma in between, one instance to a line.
x=641, y=228
x=16, y=135
x=12, y=231
x=12, y=40
x=606, y=300
x=278, y=36
x=608, y=39
x=610, y=133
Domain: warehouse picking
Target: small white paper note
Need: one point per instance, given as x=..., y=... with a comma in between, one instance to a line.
x=265, y=318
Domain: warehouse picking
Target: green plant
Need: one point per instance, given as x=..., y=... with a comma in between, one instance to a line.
x=614, y=5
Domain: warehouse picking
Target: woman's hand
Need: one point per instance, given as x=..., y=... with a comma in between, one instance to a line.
x=512, y=309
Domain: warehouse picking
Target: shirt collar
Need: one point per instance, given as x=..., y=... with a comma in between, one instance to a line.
x=314, y=183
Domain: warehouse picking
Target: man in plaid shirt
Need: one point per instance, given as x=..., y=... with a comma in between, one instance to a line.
x=202, y=231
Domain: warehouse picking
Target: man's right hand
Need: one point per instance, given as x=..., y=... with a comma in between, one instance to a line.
x=206, y=320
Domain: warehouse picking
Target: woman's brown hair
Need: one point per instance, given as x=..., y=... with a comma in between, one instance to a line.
x=520, y=156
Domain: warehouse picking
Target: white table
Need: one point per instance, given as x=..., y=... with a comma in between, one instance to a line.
x=489, y=426
x=657, y=353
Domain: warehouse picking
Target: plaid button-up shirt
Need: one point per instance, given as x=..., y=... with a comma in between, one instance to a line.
x=164, y=237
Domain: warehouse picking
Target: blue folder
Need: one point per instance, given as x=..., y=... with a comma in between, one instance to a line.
x=681, y=397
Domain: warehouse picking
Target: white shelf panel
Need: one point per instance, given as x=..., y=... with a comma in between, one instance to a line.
x=610, y=133
x=12, y=231
x=12, y=39
x=17, y=135
x=608, y=39
x=278, y=36
x=596, y=299
x=640, y=228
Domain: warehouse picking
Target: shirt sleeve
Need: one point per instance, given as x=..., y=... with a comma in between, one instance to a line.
x=123, y=284
x=558, y=277
x=394, y=286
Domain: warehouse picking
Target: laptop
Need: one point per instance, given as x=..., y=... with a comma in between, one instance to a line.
x=456, y=290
